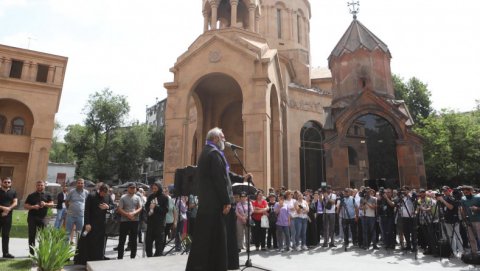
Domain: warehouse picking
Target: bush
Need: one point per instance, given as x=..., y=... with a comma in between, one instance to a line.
x=53, y=251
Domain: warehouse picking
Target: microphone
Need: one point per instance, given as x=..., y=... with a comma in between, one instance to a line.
x=233, y=146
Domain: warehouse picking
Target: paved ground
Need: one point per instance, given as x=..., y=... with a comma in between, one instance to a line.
x=314, y=259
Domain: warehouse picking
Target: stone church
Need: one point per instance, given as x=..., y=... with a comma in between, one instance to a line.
x=249, y=73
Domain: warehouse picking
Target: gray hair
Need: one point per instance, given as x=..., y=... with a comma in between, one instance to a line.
x=215, y=132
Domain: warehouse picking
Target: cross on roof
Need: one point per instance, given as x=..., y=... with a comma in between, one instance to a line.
x=354, y=8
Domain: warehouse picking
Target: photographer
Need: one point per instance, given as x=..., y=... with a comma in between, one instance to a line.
x=406, y=204
x=424, y=210
x=386, y=212
x=347, y=207
x=448, y=206
x=369, y=206
x=471, y=213
x=329, y=217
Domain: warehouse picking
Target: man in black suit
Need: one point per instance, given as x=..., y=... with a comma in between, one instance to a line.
x=97, y=204
x=215, y=197
x=37, y=205
x=8, y=202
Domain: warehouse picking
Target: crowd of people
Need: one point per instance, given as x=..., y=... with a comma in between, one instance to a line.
x=406, y=218
x=281, y=220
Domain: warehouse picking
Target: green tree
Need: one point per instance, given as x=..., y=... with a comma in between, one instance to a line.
x=80, y=141
x=105, y=113
x=60, y=152
x=451, y=147
x=132, y=143
x=156, y=145
x=416, y=95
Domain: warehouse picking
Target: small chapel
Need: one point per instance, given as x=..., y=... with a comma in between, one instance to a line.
x=249, y=73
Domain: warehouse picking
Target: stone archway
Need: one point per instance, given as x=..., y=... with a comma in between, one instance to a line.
x=372, y=139
x=216, y=102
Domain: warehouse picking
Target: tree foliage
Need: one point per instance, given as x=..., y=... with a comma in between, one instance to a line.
x=133, y=142
x=105, y=114
x=60, y=152
x=416, y=95
x=452, y=147
x=156, y=145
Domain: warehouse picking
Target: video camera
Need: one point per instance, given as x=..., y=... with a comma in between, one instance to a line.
x=457, y=194
x=381, y=191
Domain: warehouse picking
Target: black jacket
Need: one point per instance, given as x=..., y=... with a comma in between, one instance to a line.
x=160, y=210
x=213, y=183
x=60, y=200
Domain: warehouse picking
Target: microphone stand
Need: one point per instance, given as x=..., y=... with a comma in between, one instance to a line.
x=248, y=263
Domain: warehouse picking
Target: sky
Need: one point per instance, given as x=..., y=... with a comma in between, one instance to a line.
x=129, y=46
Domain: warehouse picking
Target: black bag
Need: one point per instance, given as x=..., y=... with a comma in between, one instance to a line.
x=471, y=258
x=442, y=248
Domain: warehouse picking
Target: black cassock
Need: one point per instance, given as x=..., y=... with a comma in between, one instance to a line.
x=209, y=247
x=92, y=247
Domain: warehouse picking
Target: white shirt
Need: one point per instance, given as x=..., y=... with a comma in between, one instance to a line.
x=291, y=207
x=332, y=209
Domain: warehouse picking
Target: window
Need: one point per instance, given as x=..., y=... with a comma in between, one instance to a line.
x=312, y=157
x=42, y=73
x=352, y=156
x=3, y=123
x=16, y=69
x=279, y=23
x=18, y=126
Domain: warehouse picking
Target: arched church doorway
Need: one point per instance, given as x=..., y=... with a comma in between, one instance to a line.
x=312, y=162
x=372, y=140
x=217, y=102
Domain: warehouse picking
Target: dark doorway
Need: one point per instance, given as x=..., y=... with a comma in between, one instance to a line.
x=312, y=162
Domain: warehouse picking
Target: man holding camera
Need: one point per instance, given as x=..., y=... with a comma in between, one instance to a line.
x=407, y=211
x=471, y=212
x=346, y=206
x=386, y=212
x=426, y=228
x=449, y=208
x=369, y=206
x=329, y=217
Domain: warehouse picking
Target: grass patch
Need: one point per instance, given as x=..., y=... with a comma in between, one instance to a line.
x=17, y=265
x=20, y=225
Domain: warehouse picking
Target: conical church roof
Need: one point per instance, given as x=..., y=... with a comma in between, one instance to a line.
x=356, y=37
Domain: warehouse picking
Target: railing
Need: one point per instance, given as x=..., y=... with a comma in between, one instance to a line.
x=8, y=131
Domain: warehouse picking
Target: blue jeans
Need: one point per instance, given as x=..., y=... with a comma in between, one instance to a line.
x=283, y=237
x=74, y=220
x=300, y=230
x=60, y=216
x=368, y=225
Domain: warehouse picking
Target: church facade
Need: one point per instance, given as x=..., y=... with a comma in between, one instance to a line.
x=249, y=73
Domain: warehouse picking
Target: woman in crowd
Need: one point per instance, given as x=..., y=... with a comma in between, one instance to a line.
x=300, y=221
x=312, y=235
x=283, y=224
x=260, y=208
x=243, y=212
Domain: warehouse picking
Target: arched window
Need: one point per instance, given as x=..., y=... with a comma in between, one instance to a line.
x=376, y=145
x=18, y=126
x=3, y=123
x=312, y=162
x=352, y=156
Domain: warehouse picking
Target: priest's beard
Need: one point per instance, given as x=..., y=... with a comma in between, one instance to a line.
x=221, y=145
